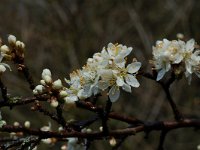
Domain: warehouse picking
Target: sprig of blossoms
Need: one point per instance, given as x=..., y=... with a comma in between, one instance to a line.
x=14, y=50
x=107, y=70
x=176, y=54
x=47, y=85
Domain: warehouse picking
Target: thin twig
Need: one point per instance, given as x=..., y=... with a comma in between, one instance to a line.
x=24, y=69
x=162, y=139
x=118, y=133
x=105, y=116
x=177, y=114
x=4, y=91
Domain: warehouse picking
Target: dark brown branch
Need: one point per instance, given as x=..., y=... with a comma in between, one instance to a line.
x=166, y=86
x=120, y=117
x=24, y=69
x=162, y=139
x=105, y=116
x=22, y=101
x=119, y=143
x=60, y=117
x=39, y=108
x=3, y=91
x=154, y=126
x=89, y=106
x=177, y=114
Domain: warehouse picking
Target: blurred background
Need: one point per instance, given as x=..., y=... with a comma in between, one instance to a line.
x=62, y=34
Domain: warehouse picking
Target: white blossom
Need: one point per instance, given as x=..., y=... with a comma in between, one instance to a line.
x=11, y=39
x=168, y=53
x=165, y=54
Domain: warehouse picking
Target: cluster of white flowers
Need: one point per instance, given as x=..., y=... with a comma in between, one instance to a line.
x=105, y=70
x=167, y=54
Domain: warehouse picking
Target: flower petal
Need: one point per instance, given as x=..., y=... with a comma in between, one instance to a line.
x=120, y=62
x=6, y=65
x=120, y=81
x=134, y=67
x=160, y=75
x=125, y=51
x=132, y=81
x=106, y=74
x=114, y=93
x=103, y=85
x=1, y=57
x=111, y=49
x=190, y=45
x=188, y=67
x=126, y=88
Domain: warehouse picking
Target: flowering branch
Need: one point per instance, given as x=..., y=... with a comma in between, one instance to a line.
x=106, y=72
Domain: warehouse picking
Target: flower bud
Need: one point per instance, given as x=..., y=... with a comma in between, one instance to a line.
x=46, y=72
x=16, y=124
x=45, y=128
x=39, y=88
x=27, y=124
x=47, y=141
x=35, y=92
x=42, y=82
x=101, y=128
x=20, y=44
x=47, y=79
x=112, y=141
x=4, y=49
x=63, y=147
x=11, y=39
x=63, y=94
x=54, y=103
x=12, y=134
x=180, y=36
x=60, y=129
x=57, y=85
x=88, y=130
